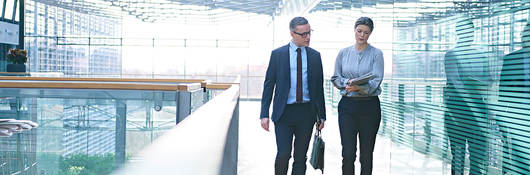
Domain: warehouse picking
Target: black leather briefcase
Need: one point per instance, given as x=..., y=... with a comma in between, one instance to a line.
x=317, y=154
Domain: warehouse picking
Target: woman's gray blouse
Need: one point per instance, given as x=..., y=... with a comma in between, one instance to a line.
x=351, y=63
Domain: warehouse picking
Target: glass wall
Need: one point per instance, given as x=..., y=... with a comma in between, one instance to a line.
x=456, y=79
x=215, y=44
x=64, y=39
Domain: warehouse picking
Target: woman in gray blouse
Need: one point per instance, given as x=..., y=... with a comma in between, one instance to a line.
x=359, y=107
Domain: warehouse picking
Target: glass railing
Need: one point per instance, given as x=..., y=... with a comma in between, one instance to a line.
x=204, y=143
x=90, y=125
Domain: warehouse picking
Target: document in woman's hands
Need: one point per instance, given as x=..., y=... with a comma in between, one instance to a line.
x=361, y=80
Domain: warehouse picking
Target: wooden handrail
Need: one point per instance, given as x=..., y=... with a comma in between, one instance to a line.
x=124, y=85
x=117, y=83
x=220, y=86
x=115, y=86
x=203, y=82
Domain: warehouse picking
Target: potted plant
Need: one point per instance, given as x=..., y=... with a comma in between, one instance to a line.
x=17, y=58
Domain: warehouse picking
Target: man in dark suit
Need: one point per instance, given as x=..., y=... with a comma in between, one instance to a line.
x=514, y=87
x=295, y=76
x=466, y=101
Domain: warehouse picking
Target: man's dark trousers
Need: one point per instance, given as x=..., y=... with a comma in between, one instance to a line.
x=297, y=120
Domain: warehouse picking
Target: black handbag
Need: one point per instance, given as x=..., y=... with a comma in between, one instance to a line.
x=317, y=154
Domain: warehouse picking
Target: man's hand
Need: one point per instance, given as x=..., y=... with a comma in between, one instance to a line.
x=352, y=88
x=321, y=124
x=265, y=124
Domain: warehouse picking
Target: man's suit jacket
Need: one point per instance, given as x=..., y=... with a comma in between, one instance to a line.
x=278, y=78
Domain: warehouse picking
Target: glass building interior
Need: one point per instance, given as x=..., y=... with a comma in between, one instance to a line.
x=108, y=80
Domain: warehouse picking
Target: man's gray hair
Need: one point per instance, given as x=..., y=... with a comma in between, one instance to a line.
x=296, y=21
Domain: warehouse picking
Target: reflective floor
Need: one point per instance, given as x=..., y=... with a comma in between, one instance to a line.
x=257, y=150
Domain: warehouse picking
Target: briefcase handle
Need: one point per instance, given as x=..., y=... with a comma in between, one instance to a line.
x=317, y=127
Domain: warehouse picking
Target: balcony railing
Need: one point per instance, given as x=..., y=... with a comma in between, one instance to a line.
x=97, y=120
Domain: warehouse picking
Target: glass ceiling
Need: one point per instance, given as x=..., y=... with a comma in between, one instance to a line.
x=411, y=12
x=157, y=10
x=402, y=11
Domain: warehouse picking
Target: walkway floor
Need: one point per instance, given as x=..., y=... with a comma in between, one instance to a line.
x=257, y=150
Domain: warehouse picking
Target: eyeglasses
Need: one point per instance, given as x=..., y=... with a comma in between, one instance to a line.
x=303, y=35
